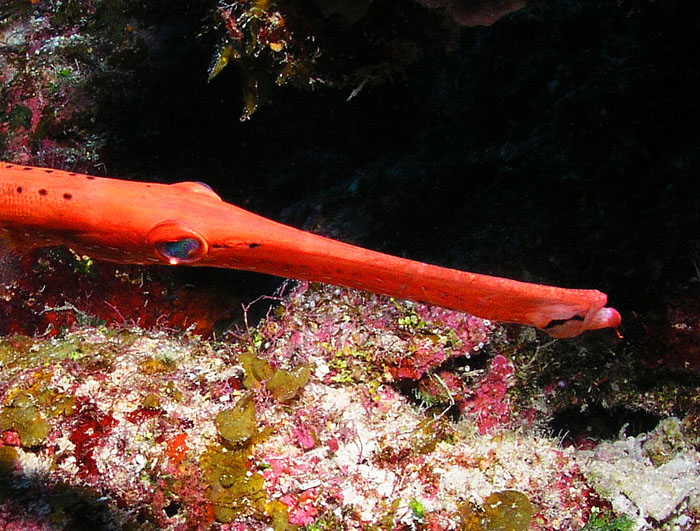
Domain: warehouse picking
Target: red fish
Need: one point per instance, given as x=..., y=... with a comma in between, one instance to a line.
x=188, y=224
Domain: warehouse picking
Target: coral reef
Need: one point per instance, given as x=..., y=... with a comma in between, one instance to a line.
x=216, y=432
x=49, y=69
x=650, y=478
x=324, y=43
x=45, y=292
x=61, y=62
x=321, y=416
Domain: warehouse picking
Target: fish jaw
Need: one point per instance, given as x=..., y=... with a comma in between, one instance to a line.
x=595, y=319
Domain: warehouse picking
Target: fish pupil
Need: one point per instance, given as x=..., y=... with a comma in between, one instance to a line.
x=183, y=249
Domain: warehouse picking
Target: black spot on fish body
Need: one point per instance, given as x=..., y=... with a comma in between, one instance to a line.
x=253, y=245
x=67, y=196
x=43, y=192
x=19, y=189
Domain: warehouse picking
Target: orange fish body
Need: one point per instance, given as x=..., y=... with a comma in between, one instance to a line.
x=188, y=224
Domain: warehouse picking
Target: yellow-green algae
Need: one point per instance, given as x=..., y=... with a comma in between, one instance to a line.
x=283, y=385
x=19, y=352
x=506, y=510
x=151, y=401
x=237, y=426
x=152, y=366
x=234, y=489
x=27, y=407
x=22, y=415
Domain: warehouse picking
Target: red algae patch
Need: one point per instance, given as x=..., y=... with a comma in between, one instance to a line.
x=48, y=291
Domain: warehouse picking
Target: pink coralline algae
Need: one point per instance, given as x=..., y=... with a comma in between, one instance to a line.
x=488, y=403
x=438, y=335
x=45, y=91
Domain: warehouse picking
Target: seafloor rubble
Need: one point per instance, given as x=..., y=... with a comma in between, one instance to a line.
x=340, y=410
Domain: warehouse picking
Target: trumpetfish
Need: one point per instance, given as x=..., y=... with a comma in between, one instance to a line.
x=189, y=224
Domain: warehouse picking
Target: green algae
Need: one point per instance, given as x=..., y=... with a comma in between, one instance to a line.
x=283, y=385
x=238, y=425
x=417, y=509
x=388, y=519
x=151, y=401
x=606, y=522
x=431, y=432
x=506, y=510
x=16, y=351
x=351, y=364
x=24, y=417
x=151, y=366
x=21, y=352
x=665, y=442
x=327, y=522
x=279, y=516
x=56, y=403
x=234, y=489
x=257, y=370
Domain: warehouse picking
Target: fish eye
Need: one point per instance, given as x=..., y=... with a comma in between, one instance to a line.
x=176, y=243
x=179, y=250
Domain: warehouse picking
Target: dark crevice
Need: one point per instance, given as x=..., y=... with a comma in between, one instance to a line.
x=596, y=423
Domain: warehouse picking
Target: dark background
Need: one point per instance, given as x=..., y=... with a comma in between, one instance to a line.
x=559, y=146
